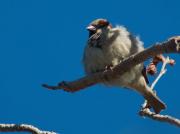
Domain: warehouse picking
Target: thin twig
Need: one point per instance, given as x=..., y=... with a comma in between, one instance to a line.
x=163, y=118
x=162, y=72
x=145, y=111
x=22, y=128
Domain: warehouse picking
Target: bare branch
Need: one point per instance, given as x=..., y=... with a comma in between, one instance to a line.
x=163, y=118
x=162, y=72
x=22, y=128
x=170, y=46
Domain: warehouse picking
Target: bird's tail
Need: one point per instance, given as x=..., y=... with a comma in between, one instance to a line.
x=154, y=101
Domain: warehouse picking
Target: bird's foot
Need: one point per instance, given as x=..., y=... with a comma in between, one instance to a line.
x=108, y=68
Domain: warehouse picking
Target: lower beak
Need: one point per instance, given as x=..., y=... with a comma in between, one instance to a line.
x=91, y=28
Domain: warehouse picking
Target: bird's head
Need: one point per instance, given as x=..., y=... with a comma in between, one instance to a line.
x=98, y=26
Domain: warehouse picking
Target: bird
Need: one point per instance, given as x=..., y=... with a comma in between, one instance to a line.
x=108, y=46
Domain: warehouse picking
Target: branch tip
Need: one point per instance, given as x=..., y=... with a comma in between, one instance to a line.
x=22, y=128
x=50, y=87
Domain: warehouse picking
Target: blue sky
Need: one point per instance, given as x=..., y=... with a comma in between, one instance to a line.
x=42, y=41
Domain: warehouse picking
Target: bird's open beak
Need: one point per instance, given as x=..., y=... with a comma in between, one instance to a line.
x=91, y=28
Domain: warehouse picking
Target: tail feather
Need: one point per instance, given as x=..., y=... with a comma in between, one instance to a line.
x=155, y=102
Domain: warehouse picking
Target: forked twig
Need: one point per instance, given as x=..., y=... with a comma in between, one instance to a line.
x=162, y=72
x=146, y=112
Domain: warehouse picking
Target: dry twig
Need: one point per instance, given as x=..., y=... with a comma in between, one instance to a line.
x=162, y=72
x=22, y=128
x=163, y=118
x=166, y=61
x=145, y=111
x=170, y=46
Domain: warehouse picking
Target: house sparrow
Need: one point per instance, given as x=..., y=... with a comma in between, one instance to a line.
x=106, y=47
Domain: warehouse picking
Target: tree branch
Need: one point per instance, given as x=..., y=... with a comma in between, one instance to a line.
x=163, y=118
x=170, y=46
x=22, y=128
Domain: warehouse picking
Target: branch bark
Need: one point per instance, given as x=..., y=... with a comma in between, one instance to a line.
x=170, y=46
x=162, y=118
x=22, y=128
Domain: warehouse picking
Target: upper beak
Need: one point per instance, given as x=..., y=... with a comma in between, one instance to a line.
x=91, y=28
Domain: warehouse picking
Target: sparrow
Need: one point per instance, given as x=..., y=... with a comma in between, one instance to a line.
x=106, y=47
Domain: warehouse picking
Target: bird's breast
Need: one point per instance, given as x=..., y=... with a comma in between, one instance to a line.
x=96, y=59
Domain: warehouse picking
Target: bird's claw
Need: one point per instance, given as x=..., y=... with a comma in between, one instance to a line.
x=108, y=68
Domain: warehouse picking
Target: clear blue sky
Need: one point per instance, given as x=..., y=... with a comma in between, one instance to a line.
x=42, y=41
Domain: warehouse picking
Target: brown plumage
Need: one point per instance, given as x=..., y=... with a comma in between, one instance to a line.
x=109, y=46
